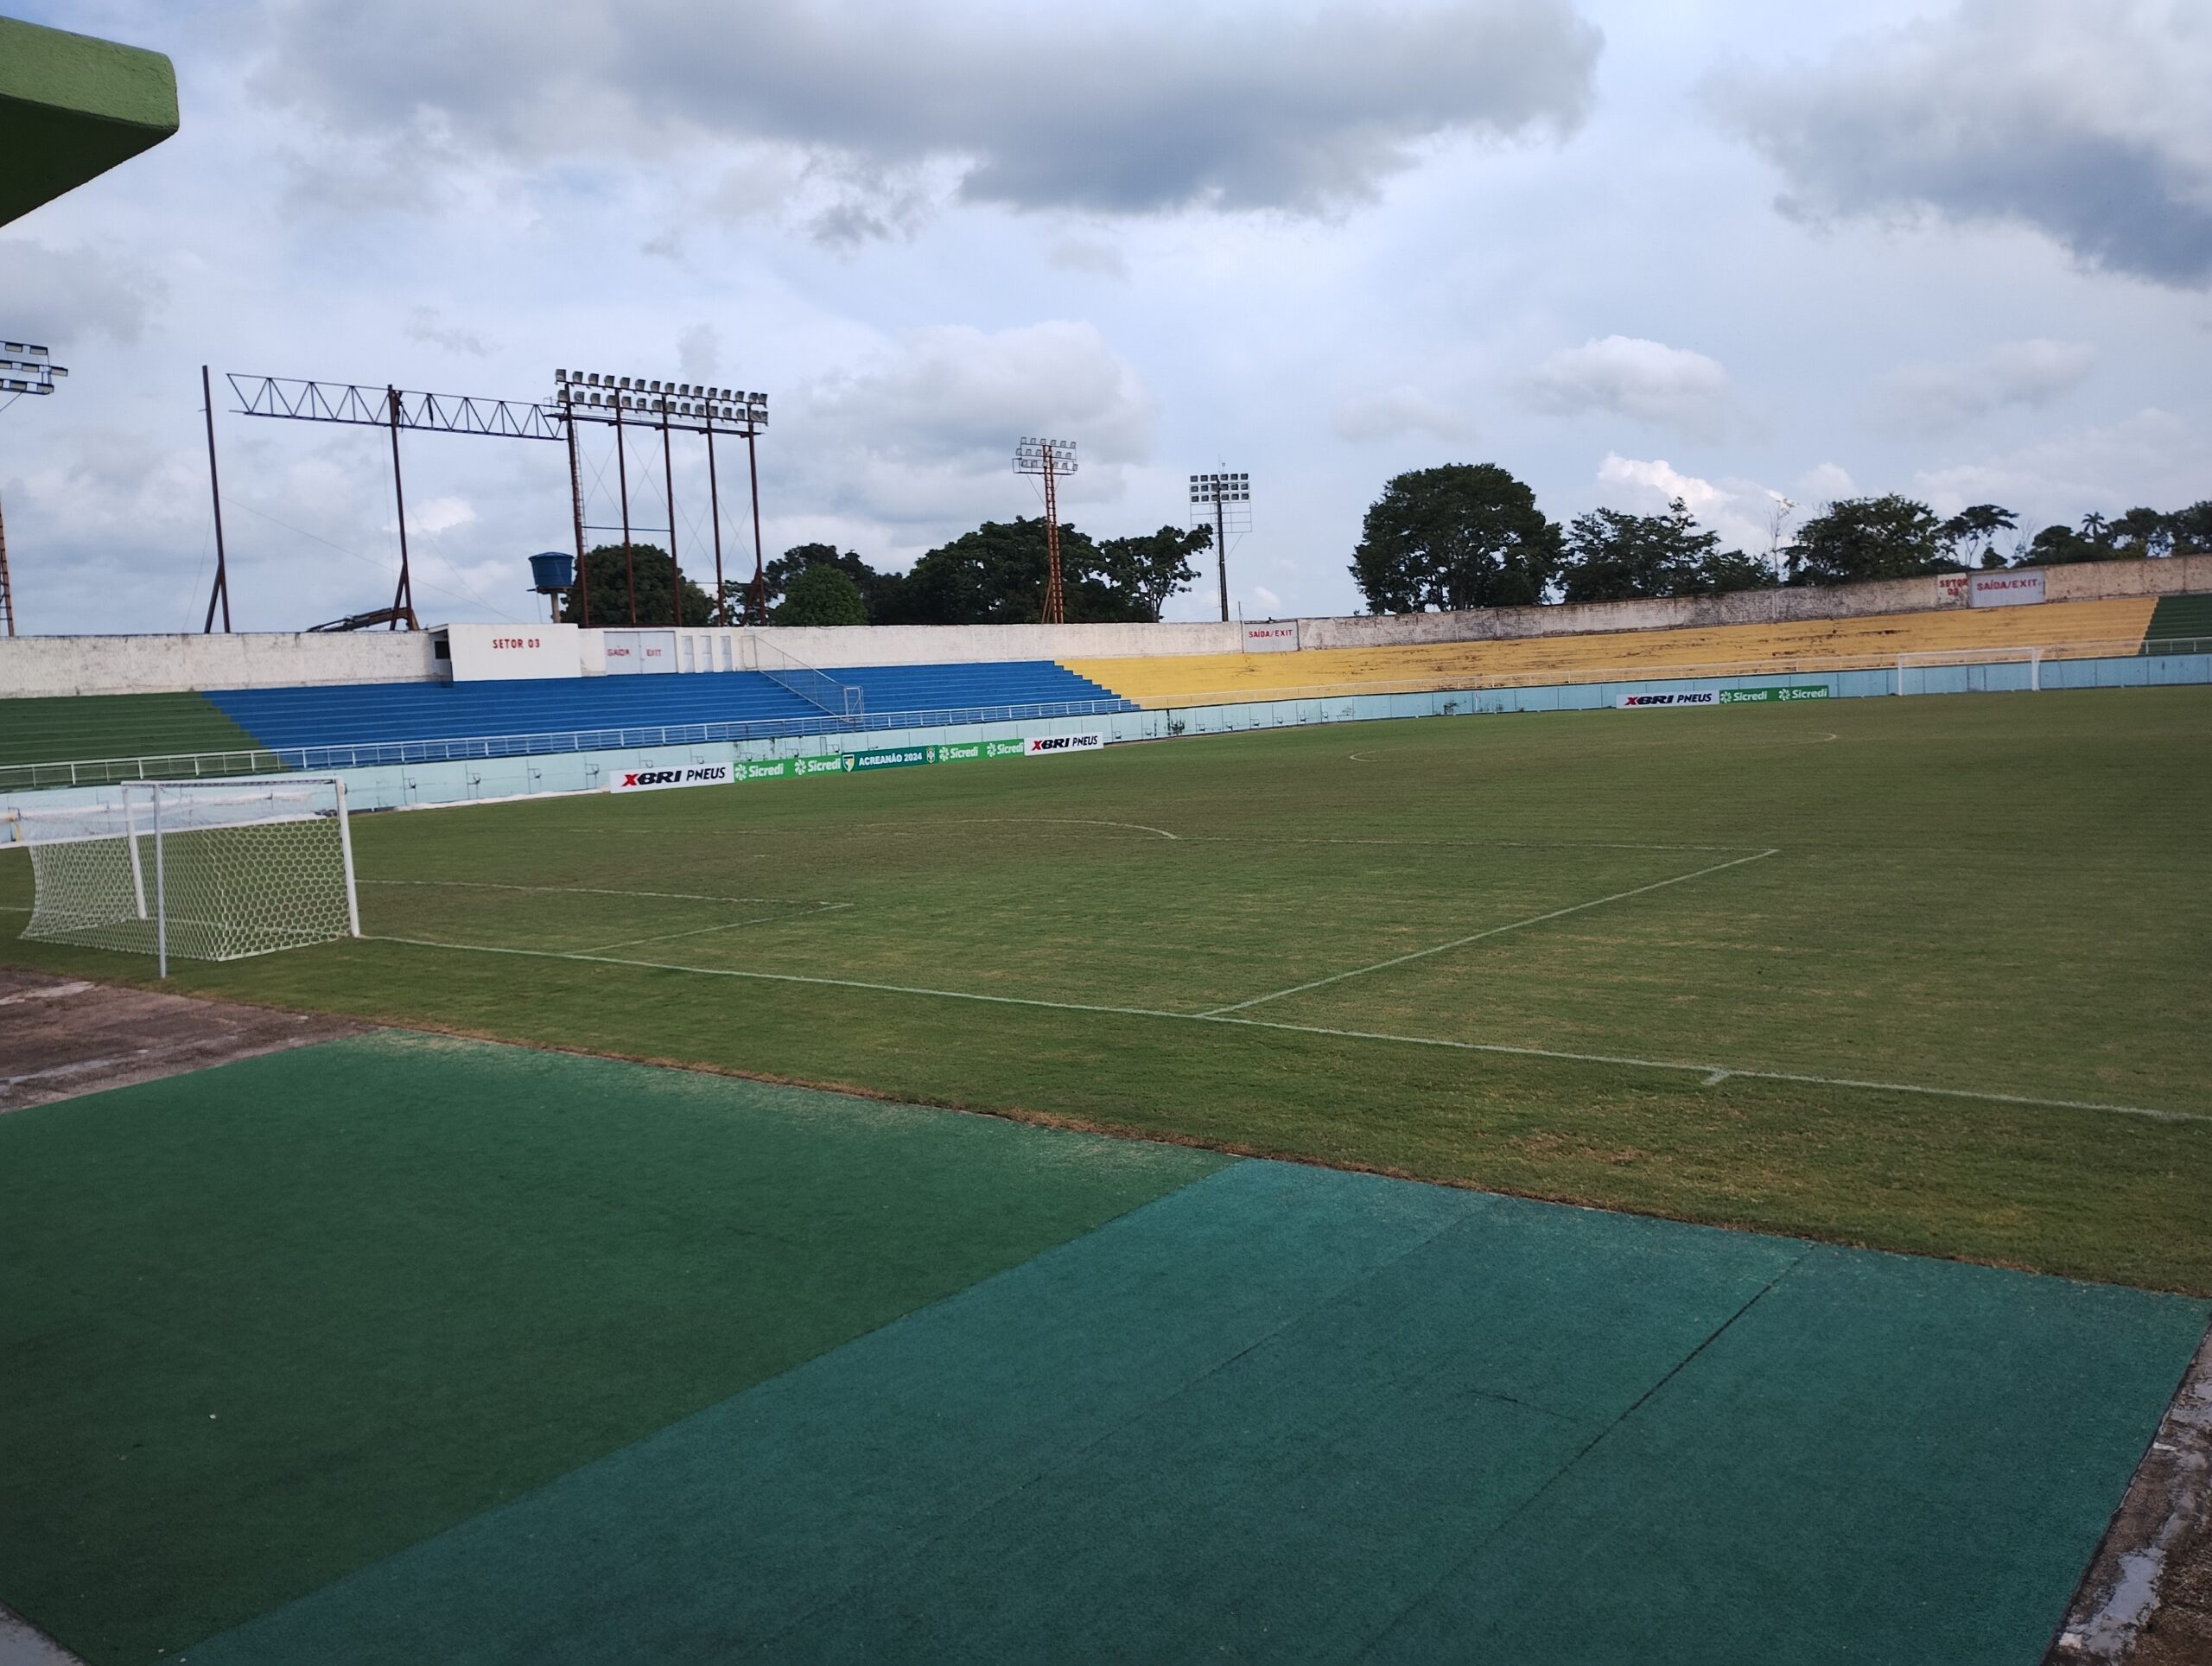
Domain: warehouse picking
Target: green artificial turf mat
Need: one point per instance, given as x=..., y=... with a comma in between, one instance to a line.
x=264, y=1323
x=1275, y=1413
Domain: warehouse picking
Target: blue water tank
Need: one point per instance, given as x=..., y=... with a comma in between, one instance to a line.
x=552, y=570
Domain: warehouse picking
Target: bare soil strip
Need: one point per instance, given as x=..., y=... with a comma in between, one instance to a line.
x=61, y=1037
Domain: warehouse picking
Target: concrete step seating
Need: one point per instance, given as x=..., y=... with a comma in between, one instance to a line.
x=1821, y=643
x=368, y=714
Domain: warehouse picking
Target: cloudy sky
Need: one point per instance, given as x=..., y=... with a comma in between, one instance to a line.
x=1628, y=249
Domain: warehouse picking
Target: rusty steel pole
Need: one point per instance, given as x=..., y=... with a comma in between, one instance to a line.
x=668, y=486
x=622, y=478
x=222, y=587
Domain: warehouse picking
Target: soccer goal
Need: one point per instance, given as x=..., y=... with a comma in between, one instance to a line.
x=1972, y=671
x=208, y=870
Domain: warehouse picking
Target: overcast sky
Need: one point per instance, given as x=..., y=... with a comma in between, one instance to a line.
x=1627, y=249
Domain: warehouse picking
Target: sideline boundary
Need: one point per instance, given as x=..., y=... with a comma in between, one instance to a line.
x=1712, y=1073
x=1477, y=936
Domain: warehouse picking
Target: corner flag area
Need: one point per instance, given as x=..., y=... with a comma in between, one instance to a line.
x=405, y=1347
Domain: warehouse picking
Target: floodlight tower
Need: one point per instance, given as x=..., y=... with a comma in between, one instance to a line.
x=682, y=407
x=24, y=369
x=1051, y=459
x=1224, y=502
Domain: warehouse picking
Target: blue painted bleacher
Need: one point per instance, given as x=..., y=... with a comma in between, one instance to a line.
x=356, y=714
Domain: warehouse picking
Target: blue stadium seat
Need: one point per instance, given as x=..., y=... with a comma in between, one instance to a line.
x=370, y=713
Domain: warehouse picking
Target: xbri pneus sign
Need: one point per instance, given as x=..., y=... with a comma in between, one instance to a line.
x=655, y=780
x=1679, y=697
x=1039, y=746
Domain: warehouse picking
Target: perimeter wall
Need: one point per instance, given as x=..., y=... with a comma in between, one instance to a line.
x=151, y=664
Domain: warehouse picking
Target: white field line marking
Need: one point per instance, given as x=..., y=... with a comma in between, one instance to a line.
x=1008, y=821
x=1477, y=936
x=702, y=931
x=1721, y=1072
x=1453, y=844
x=587, y=891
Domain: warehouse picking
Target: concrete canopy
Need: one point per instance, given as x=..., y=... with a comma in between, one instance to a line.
x=72, y=107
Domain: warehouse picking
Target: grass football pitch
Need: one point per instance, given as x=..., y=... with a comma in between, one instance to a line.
x=1924, y=975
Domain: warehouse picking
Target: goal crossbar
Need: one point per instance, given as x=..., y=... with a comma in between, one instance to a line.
x=206, y=870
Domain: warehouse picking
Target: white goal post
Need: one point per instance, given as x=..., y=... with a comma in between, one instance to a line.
x=214, y=869
x=1922, y=673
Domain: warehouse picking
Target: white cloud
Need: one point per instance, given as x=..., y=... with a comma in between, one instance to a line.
x=923, y=432
x=58, y=295
x=1627, y=376
x=424, y=325
x=1396, y=413
x=2154, y=458
x=2086, y=121
x=1926, y=398
x=1740, y=510
x=1122, y=111
x=1826, y=483
x=1088, y=255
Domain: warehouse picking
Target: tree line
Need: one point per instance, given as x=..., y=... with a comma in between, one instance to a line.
x=1465, y=535
x=993, y=575
x=1469, y=535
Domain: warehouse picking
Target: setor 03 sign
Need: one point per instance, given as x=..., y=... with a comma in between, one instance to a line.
x=1046, y=746
x=657, y=780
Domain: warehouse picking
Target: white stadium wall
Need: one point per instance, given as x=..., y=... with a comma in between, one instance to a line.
x=149, y=665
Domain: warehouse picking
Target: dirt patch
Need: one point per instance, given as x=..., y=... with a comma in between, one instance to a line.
x=61, y=1037
x=2146, y=1600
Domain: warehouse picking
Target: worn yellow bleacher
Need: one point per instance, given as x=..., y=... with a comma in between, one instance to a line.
x=2085, y=628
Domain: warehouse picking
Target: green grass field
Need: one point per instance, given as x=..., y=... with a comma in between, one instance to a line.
x=1924, y=975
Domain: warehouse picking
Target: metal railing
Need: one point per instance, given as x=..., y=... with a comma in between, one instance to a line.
x=847, y=701
x=1475, y=676
x=99, y=771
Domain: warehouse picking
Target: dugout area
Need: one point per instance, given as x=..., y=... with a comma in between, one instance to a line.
x=407, y=1347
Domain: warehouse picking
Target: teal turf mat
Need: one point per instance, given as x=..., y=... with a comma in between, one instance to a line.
x=1292, y=1414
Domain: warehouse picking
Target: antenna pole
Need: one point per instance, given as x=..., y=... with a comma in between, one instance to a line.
x=221, y=591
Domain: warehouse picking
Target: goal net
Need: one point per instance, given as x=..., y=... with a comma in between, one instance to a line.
x=208, y=870
x=1972, y=671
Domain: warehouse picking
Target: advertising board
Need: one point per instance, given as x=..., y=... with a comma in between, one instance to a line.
x=1678, y=697
x=657, y=780
x=1768, y=697
x=1053, y=745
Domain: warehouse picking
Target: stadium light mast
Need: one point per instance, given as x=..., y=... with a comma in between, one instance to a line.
x=24, y=370
x=677, y=407
x=1049, y=459
x=1224, y=502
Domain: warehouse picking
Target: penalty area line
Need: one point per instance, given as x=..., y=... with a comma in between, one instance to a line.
x=1712, y=1073
x=1477, y=936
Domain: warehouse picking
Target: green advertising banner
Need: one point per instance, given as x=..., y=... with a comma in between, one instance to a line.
x=848, y=763
x=1757, y=697
x=886, y=757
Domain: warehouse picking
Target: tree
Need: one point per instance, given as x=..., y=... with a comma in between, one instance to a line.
x=1153, y=566
x=1466, y=535
x=610, y=576
x=1858, y=539
x=2192, y=529
x=996, y=576
x=821, y=594
x=2143, y=532
x=880, y=591
x=1970, y=536
x=1615, y=557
